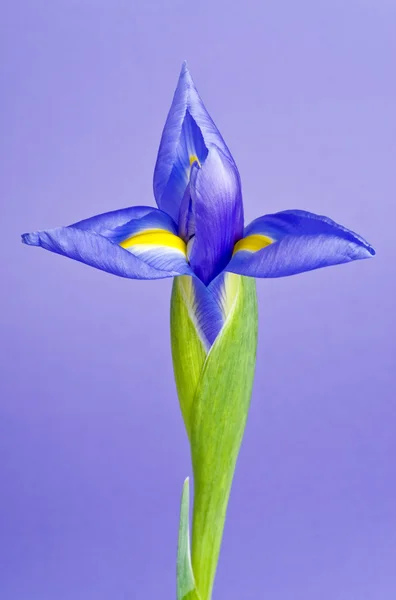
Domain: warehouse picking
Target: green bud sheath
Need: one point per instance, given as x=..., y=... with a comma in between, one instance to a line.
x=214, y=391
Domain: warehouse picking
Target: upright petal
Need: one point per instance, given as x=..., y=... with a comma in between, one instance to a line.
x=217, y=205
x=187, y=135
x=294, y=241
x=186, y=227
x=138, y=243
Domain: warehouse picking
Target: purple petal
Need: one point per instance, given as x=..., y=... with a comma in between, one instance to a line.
x=96, y=242
x=217, y=204
x=187, y=135
x=295, y=241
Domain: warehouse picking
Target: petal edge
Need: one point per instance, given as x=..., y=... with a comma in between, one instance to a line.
x=302, y=241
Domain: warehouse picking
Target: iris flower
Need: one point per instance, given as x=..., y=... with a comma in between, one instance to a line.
x=198, y=227
x=197, y=235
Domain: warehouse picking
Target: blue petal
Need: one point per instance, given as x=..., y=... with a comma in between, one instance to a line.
x=217, y=200
x=187, y=214
x=224, y=289
x=95, y=242
x=204, y=309
x=187, y=135
x=298, y=241
x=131, y=219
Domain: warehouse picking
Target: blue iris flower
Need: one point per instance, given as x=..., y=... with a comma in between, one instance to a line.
x=198, y=228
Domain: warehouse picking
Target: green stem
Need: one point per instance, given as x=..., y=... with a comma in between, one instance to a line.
x=216, y=410
x=219, y=414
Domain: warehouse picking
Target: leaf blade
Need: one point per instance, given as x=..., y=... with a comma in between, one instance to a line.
x=218, y=418
x=186, y=588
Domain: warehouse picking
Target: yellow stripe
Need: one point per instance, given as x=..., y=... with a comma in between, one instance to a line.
x=193, y=159
x=252, y=243
x=156, y=237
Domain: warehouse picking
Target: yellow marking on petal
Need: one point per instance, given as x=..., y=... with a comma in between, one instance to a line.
x=253, y=243
x=155, y=237
x=193, y=159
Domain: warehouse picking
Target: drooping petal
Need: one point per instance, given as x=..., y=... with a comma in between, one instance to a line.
x=187, y=135
x=138, y=243
x=294, y=241
x=217, y=199
x=133, y=219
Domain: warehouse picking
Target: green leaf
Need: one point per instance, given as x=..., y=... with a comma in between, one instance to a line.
x=186, y=589
x=188, y=351
x=215, y=405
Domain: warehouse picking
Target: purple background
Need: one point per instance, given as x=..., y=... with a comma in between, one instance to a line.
x=92, y=448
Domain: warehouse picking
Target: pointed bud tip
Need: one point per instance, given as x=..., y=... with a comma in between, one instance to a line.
x=185, y=74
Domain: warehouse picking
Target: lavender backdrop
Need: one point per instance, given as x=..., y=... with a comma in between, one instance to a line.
x=92, y=448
